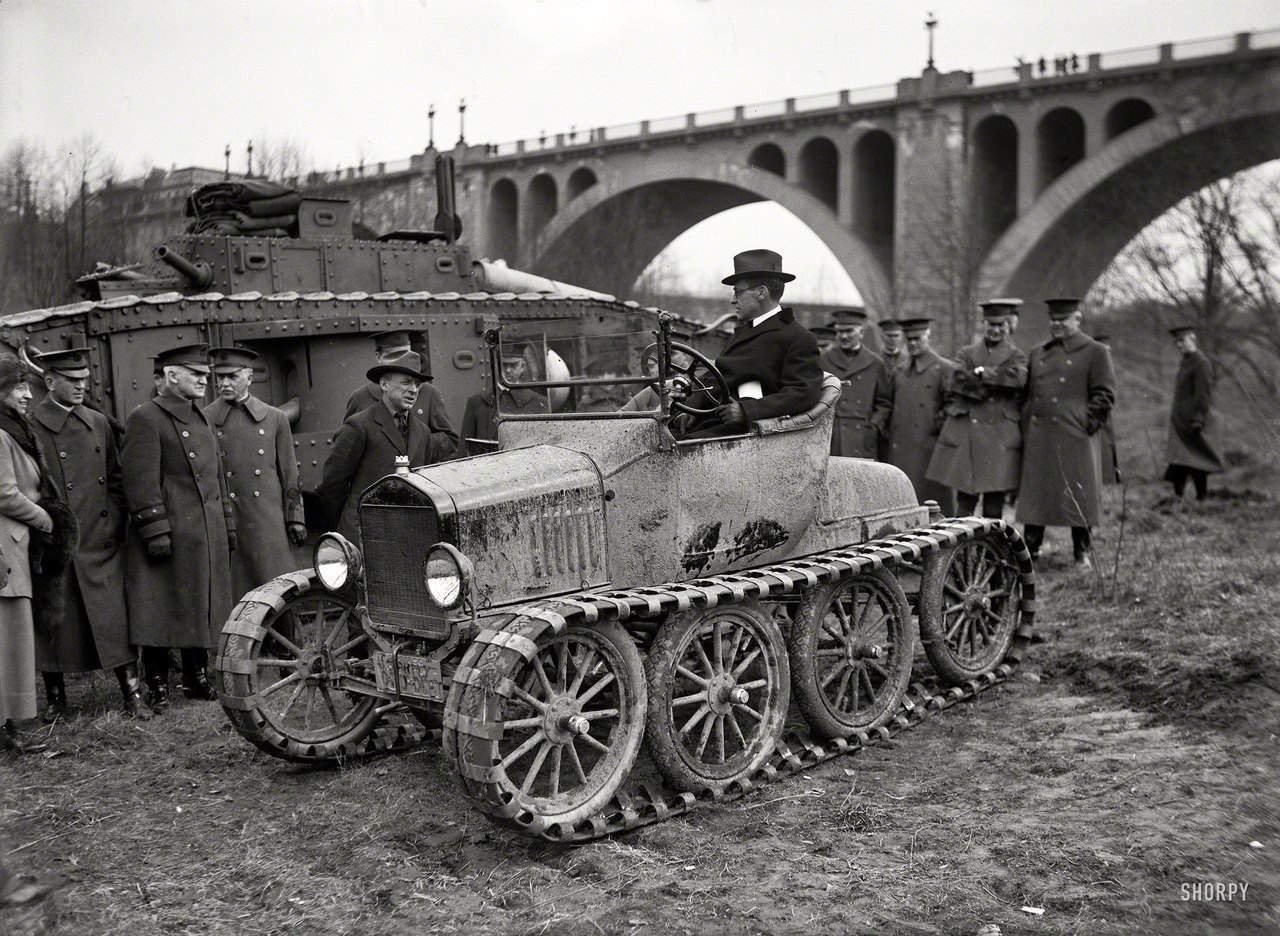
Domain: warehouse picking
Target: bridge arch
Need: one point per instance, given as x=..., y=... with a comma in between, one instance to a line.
x=1059, y=144
x=504, y=218
x=874, y=186
x=819, y=170
x=580, y=180
x=606, y=237
x=1073, y=232
x=1127, y=114
x=993, y=171
x=542, y=198
x=770, y=158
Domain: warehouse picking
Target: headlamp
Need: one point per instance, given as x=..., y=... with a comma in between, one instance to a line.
x=448, y=576
x=337, y=562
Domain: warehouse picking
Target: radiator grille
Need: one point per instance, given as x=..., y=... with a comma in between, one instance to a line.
x=396, y=540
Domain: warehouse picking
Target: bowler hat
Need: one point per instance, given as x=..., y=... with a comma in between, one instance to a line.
x=194, y=356
x=230, y=360
x=915, y=325
x=72, y=363
x=1061, y=308
x=408, y=363
x=765, y=264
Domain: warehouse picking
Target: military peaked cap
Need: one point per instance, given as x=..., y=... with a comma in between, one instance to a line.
x=72, y=363
x=999, y=308
x=848, y=317
x=1181, y=329
x=195, y=356
x=915, y=325
x=889, y=325
x=230, y=360
x=391, y=341
x=1061, y=308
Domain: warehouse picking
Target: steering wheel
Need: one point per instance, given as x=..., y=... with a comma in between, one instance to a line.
x=700, y=375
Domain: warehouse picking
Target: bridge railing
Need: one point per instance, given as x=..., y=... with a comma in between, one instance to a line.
x=1020, y=71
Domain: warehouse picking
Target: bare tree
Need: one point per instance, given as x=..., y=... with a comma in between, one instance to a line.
x=280, y=158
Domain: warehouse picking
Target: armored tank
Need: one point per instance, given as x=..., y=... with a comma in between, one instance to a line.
x=307, y=301
x=607, y=625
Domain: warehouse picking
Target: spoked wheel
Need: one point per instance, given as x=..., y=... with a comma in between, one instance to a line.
x=556, y=736
x=718, y=694
x=851, y=651
x=969, y=598
x=279, y=666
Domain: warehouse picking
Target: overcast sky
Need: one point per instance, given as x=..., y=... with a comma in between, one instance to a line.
x=170, y=82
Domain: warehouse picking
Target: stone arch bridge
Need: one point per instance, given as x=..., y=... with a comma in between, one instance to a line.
x=932, y=193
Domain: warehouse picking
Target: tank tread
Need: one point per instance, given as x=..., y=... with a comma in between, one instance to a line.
x=643, y=804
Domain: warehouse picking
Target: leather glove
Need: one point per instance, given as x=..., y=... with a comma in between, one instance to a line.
x=159, y=547
x=1092, y=425
x=297, y=533
x=232, y=540
x=731, y=415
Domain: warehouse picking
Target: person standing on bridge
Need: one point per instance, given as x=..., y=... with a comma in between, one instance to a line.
x=1071, y=389
x=1191, y=451
x=862, y=415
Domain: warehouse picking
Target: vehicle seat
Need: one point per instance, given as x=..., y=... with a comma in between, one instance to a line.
x=827, y=399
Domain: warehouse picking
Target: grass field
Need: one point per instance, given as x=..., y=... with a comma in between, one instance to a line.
x=1134, y=753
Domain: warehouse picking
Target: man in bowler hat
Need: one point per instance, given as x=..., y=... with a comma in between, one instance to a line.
x=262, y=473
x=366, y=447
x=91, y=632
x=389, y=347
x=182, y=529
x=771, y=362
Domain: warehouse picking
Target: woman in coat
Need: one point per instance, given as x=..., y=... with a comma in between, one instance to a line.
x=19, y=515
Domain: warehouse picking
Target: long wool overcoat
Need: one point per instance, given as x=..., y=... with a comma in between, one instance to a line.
x=429, y=407
x=781, y=355
x=262, y=482
x=919, y=409
x=980, y=446
x=862, y=415
x=93, y=629
x=173, y=484
x=1071, y=389
x=363, y=451
x=478, y=419
x=1191, y=424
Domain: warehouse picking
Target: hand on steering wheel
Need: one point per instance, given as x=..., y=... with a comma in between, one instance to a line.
x=700, y=375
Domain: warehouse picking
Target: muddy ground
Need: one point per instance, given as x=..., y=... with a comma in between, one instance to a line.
x=1135, y=753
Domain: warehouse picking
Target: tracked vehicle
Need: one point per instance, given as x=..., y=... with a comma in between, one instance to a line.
x=608, y=625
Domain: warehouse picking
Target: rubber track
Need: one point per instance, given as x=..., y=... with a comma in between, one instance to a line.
x=645, y=804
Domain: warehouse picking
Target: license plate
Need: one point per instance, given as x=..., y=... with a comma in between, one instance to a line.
x=418, y=676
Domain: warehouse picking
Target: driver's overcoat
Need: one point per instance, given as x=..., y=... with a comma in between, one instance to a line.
x=782, y=355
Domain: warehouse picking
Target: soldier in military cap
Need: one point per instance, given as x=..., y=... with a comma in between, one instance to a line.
x=918, y=412
x=1191, y=450
x=91, y=631
x=862, y=414
x=1070, y=391
x=826, y=336
x=389, y=347
x=478, y=424
x=261, y=470
x=893, y=344
x=366, y=447
x=979, y=452
x=177, y=560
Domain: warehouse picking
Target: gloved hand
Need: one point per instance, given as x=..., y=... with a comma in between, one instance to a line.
x=1092, y=425
x=232, y=540
x=159, y=547
x=297, y=533
x=731, y=415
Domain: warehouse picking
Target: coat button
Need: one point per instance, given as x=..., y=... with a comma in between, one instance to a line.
x=255, y=493
x=232, y=495
x=191, y=454
x=257, y=471
x=185, y=433
x=62, y=454
x=262, y=432
x=261, y=452
x=71, y=485
x=102, y=480
x=104, y=513
x=219, y=433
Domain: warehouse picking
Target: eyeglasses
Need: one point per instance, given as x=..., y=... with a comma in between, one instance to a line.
x=739, y=292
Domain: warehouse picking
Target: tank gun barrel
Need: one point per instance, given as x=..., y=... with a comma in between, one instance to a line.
x=198, y=274
x=497, y=277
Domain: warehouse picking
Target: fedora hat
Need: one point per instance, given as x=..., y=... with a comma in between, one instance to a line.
x=408, y=363
x=763, y=263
